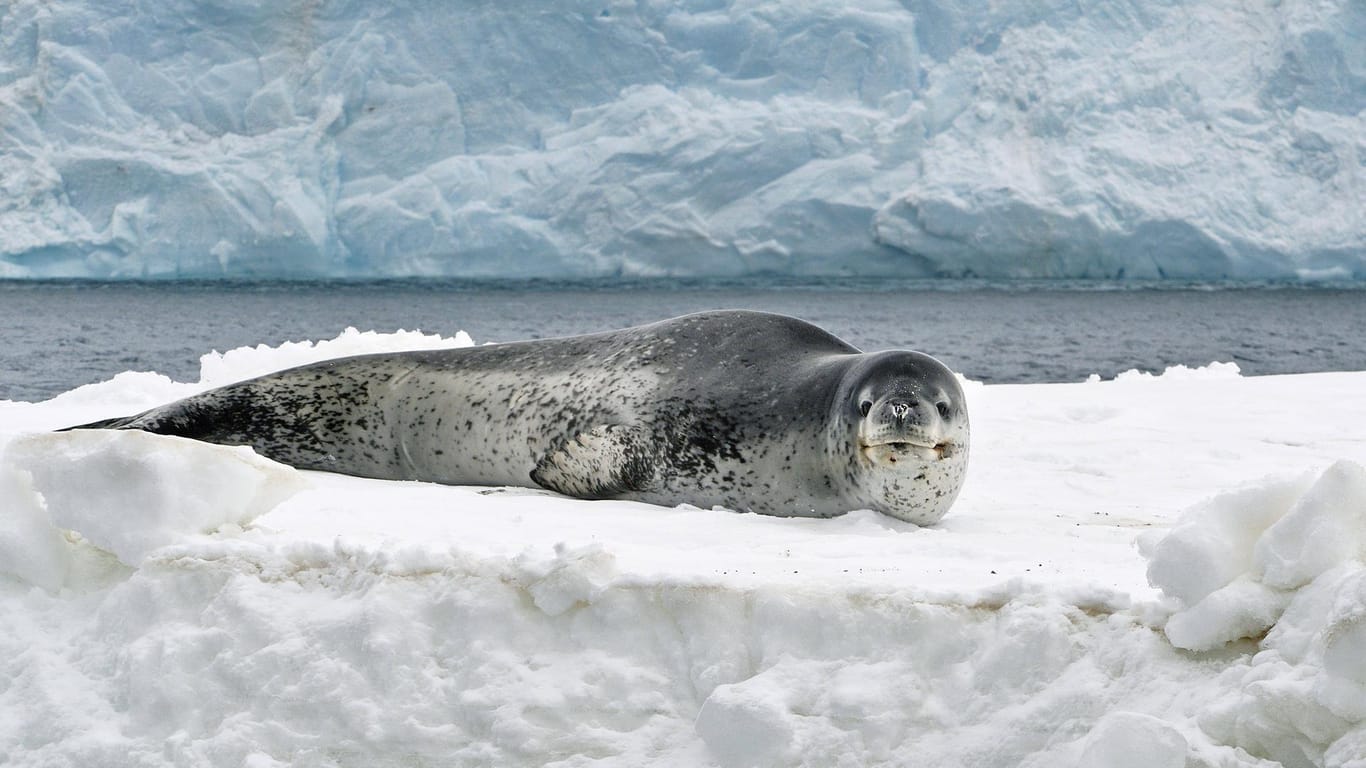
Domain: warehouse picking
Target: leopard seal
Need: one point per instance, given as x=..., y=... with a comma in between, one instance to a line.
x=746, y=410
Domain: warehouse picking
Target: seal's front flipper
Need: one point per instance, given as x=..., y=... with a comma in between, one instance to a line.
x=603, y=462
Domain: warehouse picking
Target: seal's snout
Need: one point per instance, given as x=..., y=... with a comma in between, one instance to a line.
x=899, y=413
x=902, y=428
x=900, y=408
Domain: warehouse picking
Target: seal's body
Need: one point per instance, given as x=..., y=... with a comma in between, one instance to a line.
x=746, y=410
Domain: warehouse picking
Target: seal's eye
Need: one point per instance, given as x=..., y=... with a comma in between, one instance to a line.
x=865, y=406
x=943, y=409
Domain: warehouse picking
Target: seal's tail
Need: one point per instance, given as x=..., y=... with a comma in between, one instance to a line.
x=116, y=423
x=193, y=417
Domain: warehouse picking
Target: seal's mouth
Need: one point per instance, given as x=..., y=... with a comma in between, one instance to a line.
x=894, y=451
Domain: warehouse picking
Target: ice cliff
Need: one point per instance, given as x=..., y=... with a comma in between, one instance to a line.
x=1106, y=138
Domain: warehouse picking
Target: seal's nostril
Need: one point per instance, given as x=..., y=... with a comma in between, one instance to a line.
x=865, y=407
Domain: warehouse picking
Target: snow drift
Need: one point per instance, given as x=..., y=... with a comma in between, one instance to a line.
x=1283, y=563
x=1210, y=139
x=171, y=603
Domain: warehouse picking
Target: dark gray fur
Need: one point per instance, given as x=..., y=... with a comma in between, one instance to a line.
x=746, y=410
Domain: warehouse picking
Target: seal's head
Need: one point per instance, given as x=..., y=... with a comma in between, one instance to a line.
x=901, y=435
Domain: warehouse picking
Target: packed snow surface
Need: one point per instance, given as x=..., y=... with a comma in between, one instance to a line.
x=1200, y=139
x=1150, y=571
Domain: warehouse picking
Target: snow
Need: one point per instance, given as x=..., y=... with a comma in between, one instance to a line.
x=1236, y=563
x=1203, y=140
x=97, y=483
x=1153, y=570
x=217, y=369
x=1132, y=740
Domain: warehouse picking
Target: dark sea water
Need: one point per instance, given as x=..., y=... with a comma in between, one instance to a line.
x=59, y=335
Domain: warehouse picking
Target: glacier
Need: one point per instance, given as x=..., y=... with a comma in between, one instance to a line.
x=1205, y=139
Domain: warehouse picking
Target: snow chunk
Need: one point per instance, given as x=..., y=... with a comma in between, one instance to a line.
x=1133, y=740
x=1215, y=371
x=131, y=492
x=1213, y=543
x=127, y=391
x=31, y=549
x=1244, y=608
x=746, y=724
x=575, y=576
x=1348, y=751
x=1281, y=563
x=1234, y=562
x=219, y=368
x=1325, y=527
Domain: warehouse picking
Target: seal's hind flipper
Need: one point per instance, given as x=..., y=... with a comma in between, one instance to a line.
x=605, y=461
x=118, y=422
